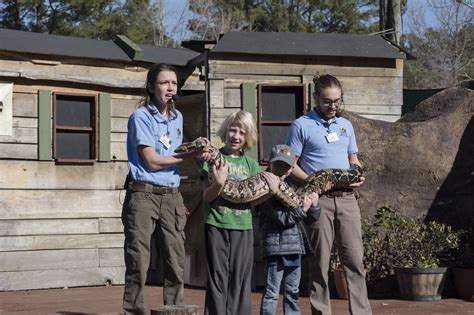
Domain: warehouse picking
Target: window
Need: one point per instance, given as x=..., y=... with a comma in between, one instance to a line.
x=74, y=128
x=278, y=107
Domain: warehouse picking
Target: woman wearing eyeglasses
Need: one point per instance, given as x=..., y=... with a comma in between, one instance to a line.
x=321, y=139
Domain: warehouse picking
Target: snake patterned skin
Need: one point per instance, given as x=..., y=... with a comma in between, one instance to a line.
x=252, y=188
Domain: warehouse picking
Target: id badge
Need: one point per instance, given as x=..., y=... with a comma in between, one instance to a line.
x=165, y=141
x=332, y=137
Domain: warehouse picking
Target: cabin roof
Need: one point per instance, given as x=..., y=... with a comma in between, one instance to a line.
x=174, y=56
x=307, y=44
x=68, y=46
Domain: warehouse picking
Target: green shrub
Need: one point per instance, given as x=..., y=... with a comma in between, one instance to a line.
x=394, y=240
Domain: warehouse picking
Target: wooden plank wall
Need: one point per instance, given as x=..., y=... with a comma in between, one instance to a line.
x=373, y=92
x=60, y=224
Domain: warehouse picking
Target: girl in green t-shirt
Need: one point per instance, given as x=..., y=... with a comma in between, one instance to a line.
x=228, y=226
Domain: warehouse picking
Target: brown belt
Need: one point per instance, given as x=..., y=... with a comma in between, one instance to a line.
x=144, y=187
x=339, y=193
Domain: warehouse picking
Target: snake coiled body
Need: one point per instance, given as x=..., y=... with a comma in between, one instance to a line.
x=252, y=188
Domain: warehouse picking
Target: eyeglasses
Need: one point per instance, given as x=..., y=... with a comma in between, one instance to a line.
x=328, y=102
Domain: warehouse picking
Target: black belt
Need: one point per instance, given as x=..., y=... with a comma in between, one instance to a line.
x=339, y=192
x=144, y=187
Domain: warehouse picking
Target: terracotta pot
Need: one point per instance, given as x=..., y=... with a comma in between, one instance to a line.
x=340, y=282
x=420, y=284
x=464, y=282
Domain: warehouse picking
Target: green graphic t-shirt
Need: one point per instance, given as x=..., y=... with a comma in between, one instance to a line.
x=225, y=214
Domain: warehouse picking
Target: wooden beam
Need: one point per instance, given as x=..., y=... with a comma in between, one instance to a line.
x=111, y=77
x=45, y=152
x=44, y=175
x=25, y=105
x=21, y=135
x=129, y=47
x=49, y=259
x=20, y=151
x=104, y=127
x=76, y=89
x=218, y=68
x=60, y=278
x=249, y=104
x=110, y=225
x=49, y=227
x=59, y=204
x=42, y=242
x=111, y=257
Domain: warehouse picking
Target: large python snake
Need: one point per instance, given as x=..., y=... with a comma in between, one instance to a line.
x=252, y=188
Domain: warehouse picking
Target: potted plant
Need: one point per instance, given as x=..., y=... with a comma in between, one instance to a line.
x=419, y=246
x=463, y=267
x=410, y=249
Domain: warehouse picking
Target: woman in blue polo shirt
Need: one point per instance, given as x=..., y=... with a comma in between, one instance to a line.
x=155, y=130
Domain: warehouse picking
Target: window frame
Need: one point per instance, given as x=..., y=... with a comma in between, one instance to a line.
x=263, y=160
x=93, y=131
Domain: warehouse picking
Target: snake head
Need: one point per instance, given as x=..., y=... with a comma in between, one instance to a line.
x=201, y=143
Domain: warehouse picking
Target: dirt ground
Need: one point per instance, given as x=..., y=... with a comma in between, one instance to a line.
x=107, y=300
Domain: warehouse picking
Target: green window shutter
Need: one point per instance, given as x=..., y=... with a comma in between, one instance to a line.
x=104, y=127
x=44, y=126
x=249, y=104
x=312, y=102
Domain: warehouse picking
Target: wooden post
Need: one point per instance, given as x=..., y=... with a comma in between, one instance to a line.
x=176, y=310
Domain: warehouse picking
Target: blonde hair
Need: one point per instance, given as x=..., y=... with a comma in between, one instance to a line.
x=245, y=121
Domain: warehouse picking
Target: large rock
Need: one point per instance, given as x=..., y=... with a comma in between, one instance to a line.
x=423, y=163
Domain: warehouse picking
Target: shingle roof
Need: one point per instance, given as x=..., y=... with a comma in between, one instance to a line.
x=306, y=44
x=37, y=43
x=174, y=56
x=47, y=44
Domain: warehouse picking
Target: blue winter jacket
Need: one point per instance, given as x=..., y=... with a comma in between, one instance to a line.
x=282, y=230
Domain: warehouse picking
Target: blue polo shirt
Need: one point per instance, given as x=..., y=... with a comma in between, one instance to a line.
x=307, y=137
x=146, y=127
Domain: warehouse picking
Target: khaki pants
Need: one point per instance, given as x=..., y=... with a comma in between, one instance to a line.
x=340, y=219
x=141, y=213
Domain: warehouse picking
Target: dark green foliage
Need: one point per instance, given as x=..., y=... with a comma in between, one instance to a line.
x=394, y=240
x=213, y=17
x=98, y=19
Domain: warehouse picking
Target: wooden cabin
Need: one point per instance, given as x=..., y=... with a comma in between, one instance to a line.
x=270, y=75
x=65, y=103
x=64, y=107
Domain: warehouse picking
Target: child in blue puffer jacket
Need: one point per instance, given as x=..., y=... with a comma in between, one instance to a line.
x=283, y=238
